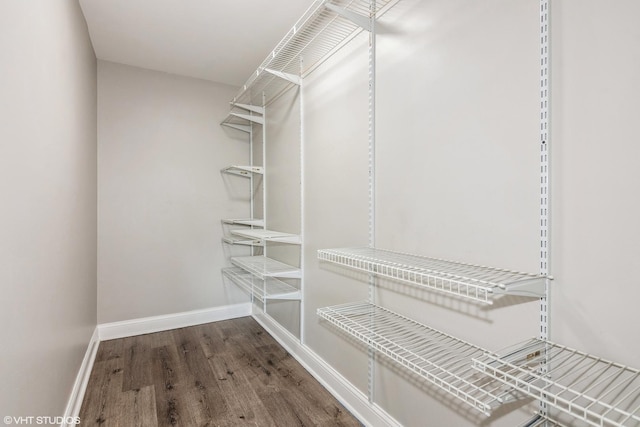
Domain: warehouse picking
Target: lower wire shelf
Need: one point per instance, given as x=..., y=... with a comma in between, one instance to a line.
x=437, y=357
x=267, y=289
x=590, y=389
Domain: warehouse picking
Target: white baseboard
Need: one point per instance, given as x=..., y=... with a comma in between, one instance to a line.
x=80, y=385
x=351, y=397
x=147, y=325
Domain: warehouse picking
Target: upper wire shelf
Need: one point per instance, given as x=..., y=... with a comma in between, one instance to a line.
x=321, y=30
x=261, y=267
x=435, y=356
x=269, y=288
x=475, y=282
x=591, y=389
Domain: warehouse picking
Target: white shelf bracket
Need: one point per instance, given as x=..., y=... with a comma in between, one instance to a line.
x=286, y=76
x=243, y=128
x=249, y=117
x=362, y=21
x=526, y=288
x=254, y=108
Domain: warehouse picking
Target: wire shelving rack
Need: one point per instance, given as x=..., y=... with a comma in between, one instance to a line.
x=591, y=389
x=474, y=282
x=435, y=356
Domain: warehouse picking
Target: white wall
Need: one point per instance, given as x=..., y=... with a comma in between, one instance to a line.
x=161, y=195
x=48, y=199
x=596, y=202
x=336, y=196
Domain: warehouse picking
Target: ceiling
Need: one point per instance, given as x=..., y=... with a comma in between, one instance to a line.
x=219, y=40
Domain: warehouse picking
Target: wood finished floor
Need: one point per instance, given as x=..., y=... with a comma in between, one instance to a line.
x=229, y=373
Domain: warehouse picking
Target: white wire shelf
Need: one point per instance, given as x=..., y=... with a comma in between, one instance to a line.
x=321, y=30
x=244, y=170
x=269, y=236
x=261, y=267
x=590, y=389
x=475, y=282
x=267, y=289
x=245, y=221
x=234, y=240
x=242, y=116
x=441, y=359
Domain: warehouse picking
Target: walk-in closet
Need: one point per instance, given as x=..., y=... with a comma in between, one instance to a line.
x=320, y=212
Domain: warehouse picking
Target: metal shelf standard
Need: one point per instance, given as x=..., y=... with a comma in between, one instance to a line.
x=475, y=282
x=269, y=288
x=435, y=356
x=261, y=267
x=591, y=389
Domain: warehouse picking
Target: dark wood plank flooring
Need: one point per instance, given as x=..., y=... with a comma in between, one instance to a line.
x=229, y=373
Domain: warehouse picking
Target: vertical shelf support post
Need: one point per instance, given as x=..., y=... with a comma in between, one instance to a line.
x=372, y=179
x=545, y=172
x=302, y=227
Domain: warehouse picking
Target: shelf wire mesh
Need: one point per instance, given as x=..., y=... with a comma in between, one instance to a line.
x=269, y=288
x=316, y=35
x=593, y=390
x=439, y=358
x=475, y=282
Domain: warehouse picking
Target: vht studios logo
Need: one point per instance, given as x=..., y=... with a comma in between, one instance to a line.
x=41, y=420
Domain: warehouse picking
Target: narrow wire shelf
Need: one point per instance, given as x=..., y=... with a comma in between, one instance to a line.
x=242, y=116
x=269, y=236
x=591, y=389
x=261, y=267
x=439, y=358
x=267, y=289
x=235, y=240
x=475, y=282
x=245, y=171
x=320, y=31
x=245, y=221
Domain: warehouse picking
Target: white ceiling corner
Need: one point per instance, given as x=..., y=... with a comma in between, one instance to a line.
x=219, y=40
